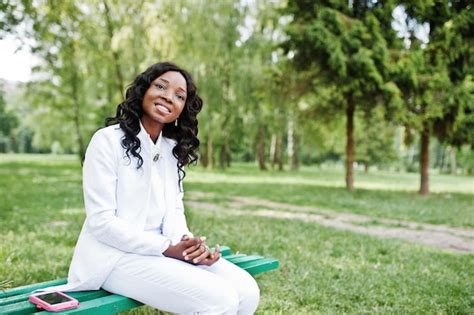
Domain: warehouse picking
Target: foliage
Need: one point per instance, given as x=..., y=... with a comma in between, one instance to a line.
x=346, y=50
x=279, y=79
x=436, y=80
x=375, y=140
x=8, y=121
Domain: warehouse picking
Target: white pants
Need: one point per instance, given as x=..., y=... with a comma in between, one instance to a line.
x=175, y=286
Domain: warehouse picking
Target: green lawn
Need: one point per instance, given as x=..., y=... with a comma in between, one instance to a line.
x=322, y=270
x=381, y=194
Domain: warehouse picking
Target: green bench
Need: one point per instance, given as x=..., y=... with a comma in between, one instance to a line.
x=15, y=301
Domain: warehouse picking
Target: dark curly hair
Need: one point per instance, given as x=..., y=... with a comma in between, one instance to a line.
x=130, y=111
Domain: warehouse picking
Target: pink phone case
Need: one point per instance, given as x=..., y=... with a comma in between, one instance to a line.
x=71, y=303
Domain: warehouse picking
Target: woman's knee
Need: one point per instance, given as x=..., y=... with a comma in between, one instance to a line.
x=249, y=298
x=225, y=300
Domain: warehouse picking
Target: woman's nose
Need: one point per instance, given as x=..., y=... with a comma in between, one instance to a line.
x=166, y=95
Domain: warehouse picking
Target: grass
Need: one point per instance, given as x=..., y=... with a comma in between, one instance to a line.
x=323, y=271
x=384, y=195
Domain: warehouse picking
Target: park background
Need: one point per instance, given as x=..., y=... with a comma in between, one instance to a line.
x=335, y=135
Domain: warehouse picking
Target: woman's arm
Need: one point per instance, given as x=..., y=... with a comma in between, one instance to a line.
x=100, y=184
x=174, y=222
x=181, y=226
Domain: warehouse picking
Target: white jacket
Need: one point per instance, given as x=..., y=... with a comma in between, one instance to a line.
x=116, y=196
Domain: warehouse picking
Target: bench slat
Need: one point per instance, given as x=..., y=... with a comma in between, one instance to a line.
x=239, y=260
x=23, y=306
x=111, y=304
x=31, y=287
x=80, y=295
x=15, y=301
x=229, y=257
x=259, y=266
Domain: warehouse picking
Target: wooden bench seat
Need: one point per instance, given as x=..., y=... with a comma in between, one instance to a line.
x=15, y=301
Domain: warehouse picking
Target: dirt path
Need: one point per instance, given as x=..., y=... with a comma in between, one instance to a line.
x=460, y=240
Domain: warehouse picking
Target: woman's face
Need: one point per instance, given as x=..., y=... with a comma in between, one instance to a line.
x=164, y=100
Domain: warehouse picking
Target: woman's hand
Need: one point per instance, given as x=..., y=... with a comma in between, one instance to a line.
x=200, y=253
x=212, y=257
x=178, y=251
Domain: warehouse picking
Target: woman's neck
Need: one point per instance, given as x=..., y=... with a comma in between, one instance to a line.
x=152, y=128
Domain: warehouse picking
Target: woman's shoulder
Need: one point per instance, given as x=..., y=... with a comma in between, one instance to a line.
x=108, y=135
x=111, y=131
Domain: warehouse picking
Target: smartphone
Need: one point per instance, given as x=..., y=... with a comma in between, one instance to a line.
x=53, y=301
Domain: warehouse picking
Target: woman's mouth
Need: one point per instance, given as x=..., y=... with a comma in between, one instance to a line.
x=162, y=109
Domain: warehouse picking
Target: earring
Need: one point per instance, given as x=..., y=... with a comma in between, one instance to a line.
x=176, y=122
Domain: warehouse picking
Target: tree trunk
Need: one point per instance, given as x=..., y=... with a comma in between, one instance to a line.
x=261, y=148
x=452, y=152
x=224, y=160
x=350, y=143
x=210, y=151
x=366, y=166
x=76, y=104
x=115, y=55
x=77, y=125
x=292, y=158
x=424, y=160
x=272, y=157
x=290, y=141
x=203, y=155
x=295, y=165
x=441, y=164
x=279, y=152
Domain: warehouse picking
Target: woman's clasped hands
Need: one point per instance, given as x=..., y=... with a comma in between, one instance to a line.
x=193, y=250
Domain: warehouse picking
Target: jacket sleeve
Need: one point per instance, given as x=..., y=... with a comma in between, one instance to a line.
x=180, y=220
x=174, y=223
x=100, y=184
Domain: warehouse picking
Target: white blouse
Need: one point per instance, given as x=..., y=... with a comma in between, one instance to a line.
x=156, y=204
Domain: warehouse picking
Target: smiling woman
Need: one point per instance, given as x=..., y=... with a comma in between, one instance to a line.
x=163, y=102
x=162, y=98
x=135, y=240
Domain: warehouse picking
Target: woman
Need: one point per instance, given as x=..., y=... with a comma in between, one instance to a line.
x=135, y=241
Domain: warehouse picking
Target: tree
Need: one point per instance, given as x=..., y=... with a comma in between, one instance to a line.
x=81, y=76
x=8, y=121
x=271, y=84
x=344, y=45
x=216, y=67
x=375, y=140
x=436, y=80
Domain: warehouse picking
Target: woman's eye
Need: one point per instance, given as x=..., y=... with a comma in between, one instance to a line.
x=180, y=97
x=160, y=86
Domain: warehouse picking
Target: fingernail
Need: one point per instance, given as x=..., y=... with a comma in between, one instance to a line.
x=186, y=258
x=195, y=261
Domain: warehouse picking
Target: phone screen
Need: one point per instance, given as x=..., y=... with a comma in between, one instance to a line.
x=53, y=298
